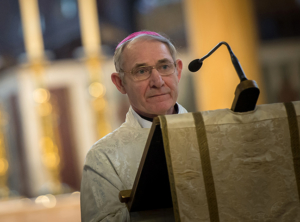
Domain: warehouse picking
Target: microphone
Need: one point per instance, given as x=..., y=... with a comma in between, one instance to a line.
x=247, y=91
x=196, y=64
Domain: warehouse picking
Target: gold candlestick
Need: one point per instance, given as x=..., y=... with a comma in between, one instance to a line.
x=90, y=33
x=46, y=109
x=4, y=165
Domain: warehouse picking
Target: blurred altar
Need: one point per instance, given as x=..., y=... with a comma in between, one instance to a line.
x=57, y=98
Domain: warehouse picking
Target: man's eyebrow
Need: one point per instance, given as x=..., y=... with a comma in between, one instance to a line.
x=163, y=61
x=140, y=64
x=146, y=64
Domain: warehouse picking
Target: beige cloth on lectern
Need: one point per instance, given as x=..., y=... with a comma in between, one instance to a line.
x=251, y=161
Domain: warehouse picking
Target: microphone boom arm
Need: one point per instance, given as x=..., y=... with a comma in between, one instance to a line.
x=247, y=91
x=234, y=60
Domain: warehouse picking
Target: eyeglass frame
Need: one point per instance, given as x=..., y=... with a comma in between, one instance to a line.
x=152, y=67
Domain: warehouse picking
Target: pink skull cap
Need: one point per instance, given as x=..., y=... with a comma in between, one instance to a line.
x=131, y=36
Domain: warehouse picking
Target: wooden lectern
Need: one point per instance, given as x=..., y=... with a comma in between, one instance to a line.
x=220, y=166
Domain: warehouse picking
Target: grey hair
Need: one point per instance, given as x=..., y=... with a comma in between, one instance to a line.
x=119, y=50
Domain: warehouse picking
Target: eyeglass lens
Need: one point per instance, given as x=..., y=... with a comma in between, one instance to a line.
x=144, y=72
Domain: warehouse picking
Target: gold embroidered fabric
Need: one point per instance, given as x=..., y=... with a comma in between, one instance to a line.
x=251, y=161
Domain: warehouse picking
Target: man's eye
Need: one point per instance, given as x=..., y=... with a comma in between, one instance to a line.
x=164, y=67
x=141, y=71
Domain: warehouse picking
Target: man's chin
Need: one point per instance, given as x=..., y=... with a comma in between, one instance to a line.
x=162, y=110
x=155, y=109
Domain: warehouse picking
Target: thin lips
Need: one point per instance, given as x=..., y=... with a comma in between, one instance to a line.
x=158, y=95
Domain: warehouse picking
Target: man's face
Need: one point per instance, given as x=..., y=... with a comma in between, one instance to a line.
x=158, y=94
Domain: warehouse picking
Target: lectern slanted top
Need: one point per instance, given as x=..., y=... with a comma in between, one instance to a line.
x=223, y=166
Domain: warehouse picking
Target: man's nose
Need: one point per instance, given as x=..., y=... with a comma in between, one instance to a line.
x=156, y=79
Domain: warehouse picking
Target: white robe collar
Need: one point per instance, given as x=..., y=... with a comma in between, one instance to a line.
x=134, y=119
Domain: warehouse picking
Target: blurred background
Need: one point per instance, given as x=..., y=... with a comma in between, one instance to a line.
x=57, y=99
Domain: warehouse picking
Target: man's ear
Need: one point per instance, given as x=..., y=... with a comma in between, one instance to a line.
x=115, y=78
x=178, y=68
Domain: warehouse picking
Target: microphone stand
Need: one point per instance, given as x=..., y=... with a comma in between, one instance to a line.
x=247, y=91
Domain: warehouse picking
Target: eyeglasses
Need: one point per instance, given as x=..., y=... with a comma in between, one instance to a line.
x=144, y=72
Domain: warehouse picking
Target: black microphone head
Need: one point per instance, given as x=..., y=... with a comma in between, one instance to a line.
x=195, y=65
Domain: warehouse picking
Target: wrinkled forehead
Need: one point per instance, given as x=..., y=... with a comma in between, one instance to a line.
x=138, y=49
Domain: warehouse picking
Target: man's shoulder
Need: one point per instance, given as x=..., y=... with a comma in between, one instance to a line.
x=122, y=139
x=109, y=140
x=103, y=146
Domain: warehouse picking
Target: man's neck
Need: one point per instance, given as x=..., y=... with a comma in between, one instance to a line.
x=176, y=110
x=146, y=118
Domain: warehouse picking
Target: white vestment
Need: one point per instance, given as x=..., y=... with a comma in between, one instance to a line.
x=111, y=166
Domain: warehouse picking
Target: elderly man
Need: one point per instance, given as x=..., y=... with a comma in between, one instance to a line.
x=148, y=72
